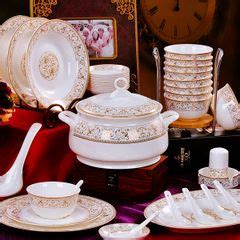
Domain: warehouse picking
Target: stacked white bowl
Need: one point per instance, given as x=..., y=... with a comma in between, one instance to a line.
x=102, y=77
x=188, y=79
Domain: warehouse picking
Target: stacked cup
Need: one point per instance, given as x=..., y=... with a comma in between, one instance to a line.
x=102, y=77
x=188, y=79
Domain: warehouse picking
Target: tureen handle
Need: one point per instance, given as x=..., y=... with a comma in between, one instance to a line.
x=68, y=117
x=121, y=85
x=169, y=117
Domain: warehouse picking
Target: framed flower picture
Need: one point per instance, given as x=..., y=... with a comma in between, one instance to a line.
x=100, y=36
x=108, y=26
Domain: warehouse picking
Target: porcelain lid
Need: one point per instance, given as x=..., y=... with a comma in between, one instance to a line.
x=120, y=103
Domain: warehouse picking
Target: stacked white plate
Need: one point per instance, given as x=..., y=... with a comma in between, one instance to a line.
x=188, y=79
x=102, y=77
x=43, y=60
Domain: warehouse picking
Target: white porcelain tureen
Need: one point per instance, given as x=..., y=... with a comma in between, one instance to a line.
x=118, y=130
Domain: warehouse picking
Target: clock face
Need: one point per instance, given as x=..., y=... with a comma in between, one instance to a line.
x=177, y=21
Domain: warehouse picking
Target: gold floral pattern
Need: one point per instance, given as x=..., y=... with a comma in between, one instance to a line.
x=200, y=57
x=118, y=135
x=183, y=84
x=48, y=66
x=186, y=64
x=100, y=110
x=187, y=77
x=189, y=70
x=185, y=98
x=53, y=202
x=126, y=7
x=13, y=23
x=187, y=106
x=43, y=8
x=23, y=65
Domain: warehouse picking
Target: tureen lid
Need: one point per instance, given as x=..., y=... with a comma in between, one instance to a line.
x=120, y=103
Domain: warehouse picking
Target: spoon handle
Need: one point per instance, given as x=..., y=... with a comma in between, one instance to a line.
x=156, y=56
x=144, y=223
x=217, y=64
x=228, y=197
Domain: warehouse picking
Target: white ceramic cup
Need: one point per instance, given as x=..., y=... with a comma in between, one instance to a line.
x=53, y=200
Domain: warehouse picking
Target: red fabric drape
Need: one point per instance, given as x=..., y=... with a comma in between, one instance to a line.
x=49, y=157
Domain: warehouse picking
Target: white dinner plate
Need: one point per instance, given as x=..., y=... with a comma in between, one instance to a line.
x=86, y=210
x=17, y=57
x=57, y=64
x=7, y=30
x=107, y=214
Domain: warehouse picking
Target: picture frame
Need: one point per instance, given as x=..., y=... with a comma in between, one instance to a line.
x=125, y=14
x=105, y=47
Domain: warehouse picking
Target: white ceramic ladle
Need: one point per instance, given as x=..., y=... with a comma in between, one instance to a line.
x=12, y=181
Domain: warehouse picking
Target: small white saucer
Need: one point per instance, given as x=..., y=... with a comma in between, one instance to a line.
x=79, y=215
x=204, y=177
x=107, y=231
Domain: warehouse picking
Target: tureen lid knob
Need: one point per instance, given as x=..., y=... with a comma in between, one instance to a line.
x=121, y=85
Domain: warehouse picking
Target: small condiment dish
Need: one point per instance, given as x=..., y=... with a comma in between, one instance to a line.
x=118, y=231
x=53, y=200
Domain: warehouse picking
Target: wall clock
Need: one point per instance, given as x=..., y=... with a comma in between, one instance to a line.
x=178, y=21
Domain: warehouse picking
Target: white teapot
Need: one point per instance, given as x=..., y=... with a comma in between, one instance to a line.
x=118, y=130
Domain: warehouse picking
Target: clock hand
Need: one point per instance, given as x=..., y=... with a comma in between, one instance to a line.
x=177, y=7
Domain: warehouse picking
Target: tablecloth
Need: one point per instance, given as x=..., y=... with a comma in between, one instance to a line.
x=51, y=159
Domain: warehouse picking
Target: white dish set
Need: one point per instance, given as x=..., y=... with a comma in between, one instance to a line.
x=188, y=79
x=102, y=77
x=44, y=60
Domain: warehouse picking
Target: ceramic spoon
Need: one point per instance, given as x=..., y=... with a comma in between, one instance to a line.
x=134, y=232
x=215, y=206
x=228, y=197
x=174, y=208
x=12, y=181
x=198, y=214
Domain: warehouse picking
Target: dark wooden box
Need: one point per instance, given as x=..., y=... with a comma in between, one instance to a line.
x=134, y=184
